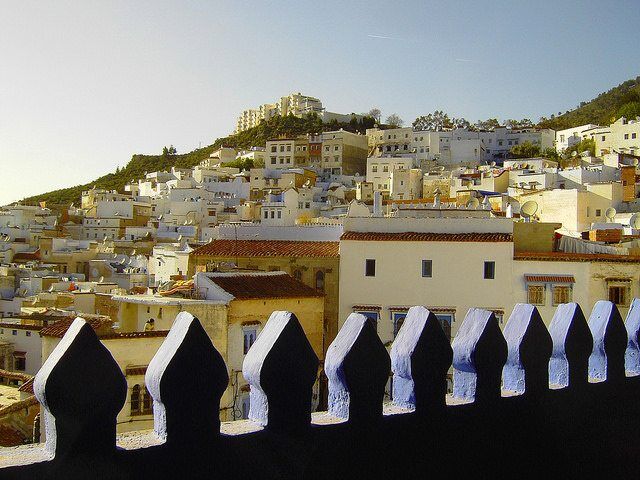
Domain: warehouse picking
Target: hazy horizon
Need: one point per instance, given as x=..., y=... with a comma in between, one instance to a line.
x=86, y=84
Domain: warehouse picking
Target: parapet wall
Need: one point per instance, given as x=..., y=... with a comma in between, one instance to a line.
x=527, y=401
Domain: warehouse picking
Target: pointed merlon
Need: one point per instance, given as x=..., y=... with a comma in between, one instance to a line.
x=281, y=368
x=479, y=354
x=420, y=357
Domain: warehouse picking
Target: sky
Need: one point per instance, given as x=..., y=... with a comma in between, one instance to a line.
x=85, y=84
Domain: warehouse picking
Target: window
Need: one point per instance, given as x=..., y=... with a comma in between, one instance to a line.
x=619, y=294
x=598, y=212
x=370, y=267
x=535, y=294
x=626, y=136
x=427, y=268
x=297, y=274
x=14, y=332
x=398, y=320
x=28, y=333
x=561, y=294
x=266, y=214
x=147, y=402
x=274, y=149
x=20, y=361
x=385, y=168
x=603, y=138
x=160, y=312
x=135, y=399
x=489, y=270
x=374, y=169
x=273, y=213
x=279, y=213
x=250, y=335
x=372, y=316
x=633, y=135
x=336, y=148
x=320, y=280
x=445, y=319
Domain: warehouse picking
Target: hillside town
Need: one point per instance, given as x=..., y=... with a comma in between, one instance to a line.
x=321, y=224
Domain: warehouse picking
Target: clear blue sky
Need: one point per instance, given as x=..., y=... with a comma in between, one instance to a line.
x=85, y=84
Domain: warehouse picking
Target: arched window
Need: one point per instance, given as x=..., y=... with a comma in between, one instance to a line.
x=135, y=399
x=147, y=402
x=297, y=274
x=320, y=280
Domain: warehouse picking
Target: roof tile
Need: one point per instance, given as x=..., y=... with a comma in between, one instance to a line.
x=427, y=237
x=267, y=248
x=280, y=285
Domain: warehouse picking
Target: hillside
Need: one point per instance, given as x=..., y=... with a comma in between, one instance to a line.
x=140, y=164
x=623, y=100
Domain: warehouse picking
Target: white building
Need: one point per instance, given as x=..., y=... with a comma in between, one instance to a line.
x=377, y=254
x=570, y=136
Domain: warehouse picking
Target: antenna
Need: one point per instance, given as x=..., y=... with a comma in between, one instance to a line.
x=529, y=209
x=610, y=214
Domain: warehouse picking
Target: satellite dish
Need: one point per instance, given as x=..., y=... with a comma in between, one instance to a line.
x=51, y=288
x=472, y=203
x=133, y=252
x=101, y=279
x=529, y=209
x=634, y=221
x=610, y=214
x=493, y=164
x=574, y=154
x=634, y=162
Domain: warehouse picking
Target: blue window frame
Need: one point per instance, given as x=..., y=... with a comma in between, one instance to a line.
x=372, y=316
x=445, y=319
x=250, y=335
x=398, y=320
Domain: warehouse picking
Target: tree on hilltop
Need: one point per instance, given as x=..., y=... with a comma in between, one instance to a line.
x=394, y=120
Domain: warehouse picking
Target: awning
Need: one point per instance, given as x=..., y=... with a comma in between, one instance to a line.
x=550, y=278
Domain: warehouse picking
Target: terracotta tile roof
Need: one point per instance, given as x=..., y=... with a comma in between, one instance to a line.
x=59, y=328
x=26, y=256
x=367, y=307
x=17, y=406
x=266, y=285
x=427, y=237
x=136, y=370
x=24, y=377
x=20, y=326
x=576, y=257
x=10, y=437
x=267, y=248
x=27, y=387
x=550, y=278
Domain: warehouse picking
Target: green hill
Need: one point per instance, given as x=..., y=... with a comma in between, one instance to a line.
x=140, y=164
x=620, y=101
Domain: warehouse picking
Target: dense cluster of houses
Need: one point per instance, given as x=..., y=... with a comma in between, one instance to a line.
x=323, y=225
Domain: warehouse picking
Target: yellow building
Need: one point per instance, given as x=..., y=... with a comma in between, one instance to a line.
x=285, y=153
x=232, y=307
x=132, y=351
x=316, y=264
